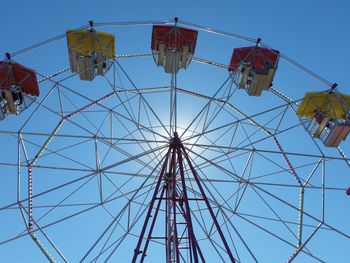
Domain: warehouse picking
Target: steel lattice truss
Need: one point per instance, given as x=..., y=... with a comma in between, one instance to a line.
x=87, y=158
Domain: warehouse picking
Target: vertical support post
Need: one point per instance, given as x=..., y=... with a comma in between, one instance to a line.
x=18, y=166
x=98, y=171
x=323, y=187
x=174, y=243
x=30, y=199
x=301, y=216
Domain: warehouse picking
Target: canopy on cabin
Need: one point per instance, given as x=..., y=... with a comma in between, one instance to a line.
x=86, y=41
x=167, y=34
x=333, y=105
x=14, y=74
x=258, y=58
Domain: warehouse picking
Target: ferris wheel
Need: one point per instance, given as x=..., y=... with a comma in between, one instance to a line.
x=162, y=148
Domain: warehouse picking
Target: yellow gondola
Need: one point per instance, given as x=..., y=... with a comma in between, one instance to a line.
x=90, y=52
x=328, y=116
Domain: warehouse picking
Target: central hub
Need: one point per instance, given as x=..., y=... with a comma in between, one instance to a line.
x=175, y=141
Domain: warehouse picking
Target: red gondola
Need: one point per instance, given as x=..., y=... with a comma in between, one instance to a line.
x=16, y=80
x=256, y=67
x=173, y=47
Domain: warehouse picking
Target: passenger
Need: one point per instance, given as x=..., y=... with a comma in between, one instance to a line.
x=17, y=96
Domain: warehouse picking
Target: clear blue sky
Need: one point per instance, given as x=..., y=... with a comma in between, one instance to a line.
x=313, y=33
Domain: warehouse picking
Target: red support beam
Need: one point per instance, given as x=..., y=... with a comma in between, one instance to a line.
x=137, y=249
x=175, y=197
x=194, y=173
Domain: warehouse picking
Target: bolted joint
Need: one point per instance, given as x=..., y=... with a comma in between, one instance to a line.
x=175, y=141
x=258, y=40
x=137, y=252
x=91, y=24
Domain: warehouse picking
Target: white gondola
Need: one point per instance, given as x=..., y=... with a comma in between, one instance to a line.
x=334, y=132
x=86, y=67
x=185, y=57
